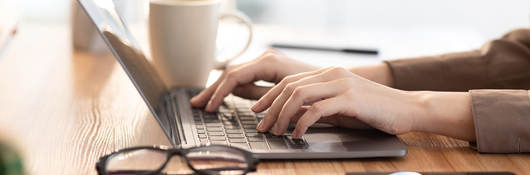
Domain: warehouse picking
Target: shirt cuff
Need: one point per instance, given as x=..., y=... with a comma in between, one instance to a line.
x=502, y=120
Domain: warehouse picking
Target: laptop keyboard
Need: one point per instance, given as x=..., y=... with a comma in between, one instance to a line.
x=235, y=125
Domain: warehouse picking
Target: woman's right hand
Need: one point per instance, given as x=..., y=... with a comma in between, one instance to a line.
x=271, y=66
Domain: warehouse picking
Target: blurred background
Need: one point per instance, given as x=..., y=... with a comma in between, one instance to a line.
x=490, y=18
x=398, y=29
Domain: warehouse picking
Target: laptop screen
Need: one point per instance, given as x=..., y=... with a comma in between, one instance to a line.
x=121, y=42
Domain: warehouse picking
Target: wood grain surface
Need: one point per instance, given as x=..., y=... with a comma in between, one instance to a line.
x=64, y=109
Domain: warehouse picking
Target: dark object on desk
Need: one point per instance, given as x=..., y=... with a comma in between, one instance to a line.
x=329, y=49
x=434, y=173
x=10, y=160
x=211, y=159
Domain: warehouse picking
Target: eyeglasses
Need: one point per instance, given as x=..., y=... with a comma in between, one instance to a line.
x=211, y=159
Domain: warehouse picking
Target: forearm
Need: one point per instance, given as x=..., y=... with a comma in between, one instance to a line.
x=379, y=73
x=445, y=113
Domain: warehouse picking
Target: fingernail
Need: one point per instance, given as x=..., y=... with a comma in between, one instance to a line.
x=192, y=100
x=260, y=127
x=295, y=135
x=276, y=131
x=254, y=107
x=208, y=106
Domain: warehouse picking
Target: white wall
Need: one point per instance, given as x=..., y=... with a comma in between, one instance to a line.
x=489, y=17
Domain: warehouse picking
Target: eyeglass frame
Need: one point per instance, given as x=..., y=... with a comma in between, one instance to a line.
x=101, y=165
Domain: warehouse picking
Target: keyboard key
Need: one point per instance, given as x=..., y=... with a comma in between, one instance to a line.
x=228, y=114
x=200, y=132
x=237, y=140
x=249, y=126
x=243, y=114
x=255, y=139
x=218, y=129
x=251, y=130
x=251, y=122
x=233, y=131
x=231, y=123
x=228, y=118
x=202, y=136
x=232, y=127
x=296, y=143
x=210, y=116
x=217, y=138
x=224, y=109
x=242, y=106
x=258, y=145
x=213, y=125
x=254, y=134
x=219, y=142
x=240, y=145
x=247, y=118
x=275, y=142
x=235, y=136
x=212, y=121
x=216, y=133
x=199, y=126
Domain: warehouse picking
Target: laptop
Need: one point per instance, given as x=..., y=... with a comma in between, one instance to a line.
x=234, y=124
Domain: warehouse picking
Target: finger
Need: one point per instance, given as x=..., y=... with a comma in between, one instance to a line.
x=319, y=109
x=267, y=99
x=204, y=97
x=299, y=114
x=276, y=106
x=241, y=75
x=306, y=94
x=250, y=91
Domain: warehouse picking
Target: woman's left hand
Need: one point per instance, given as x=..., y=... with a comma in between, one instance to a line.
x=334, y=95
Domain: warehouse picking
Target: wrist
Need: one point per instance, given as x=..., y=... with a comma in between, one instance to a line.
x=379, y=73
x=445, y=113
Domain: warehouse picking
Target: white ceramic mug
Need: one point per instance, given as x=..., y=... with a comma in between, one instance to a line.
x=183, y=39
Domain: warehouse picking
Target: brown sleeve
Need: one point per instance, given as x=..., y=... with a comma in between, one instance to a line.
x=499, y=64
x=502, y=120
x=501, y=117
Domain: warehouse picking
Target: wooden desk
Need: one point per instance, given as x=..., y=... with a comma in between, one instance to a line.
x=65, y=109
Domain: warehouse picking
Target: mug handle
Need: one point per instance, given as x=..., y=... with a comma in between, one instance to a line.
x=244, y=19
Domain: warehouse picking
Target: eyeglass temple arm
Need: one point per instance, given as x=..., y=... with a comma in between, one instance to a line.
x=127, y=172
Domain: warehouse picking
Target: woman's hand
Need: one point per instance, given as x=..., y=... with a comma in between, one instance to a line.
x=342, y=98
x=339, y=96
x=271, y=66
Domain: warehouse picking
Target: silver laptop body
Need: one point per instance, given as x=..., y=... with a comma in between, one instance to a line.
x=234, y=124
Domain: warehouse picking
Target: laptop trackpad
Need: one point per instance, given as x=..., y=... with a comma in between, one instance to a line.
x=335, y=139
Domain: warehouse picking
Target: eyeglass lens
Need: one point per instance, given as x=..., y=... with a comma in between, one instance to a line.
x=144, y=160
x=218, y=160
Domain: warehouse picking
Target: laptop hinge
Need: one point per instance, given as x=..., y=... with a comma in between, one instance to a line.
x=176, y=123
